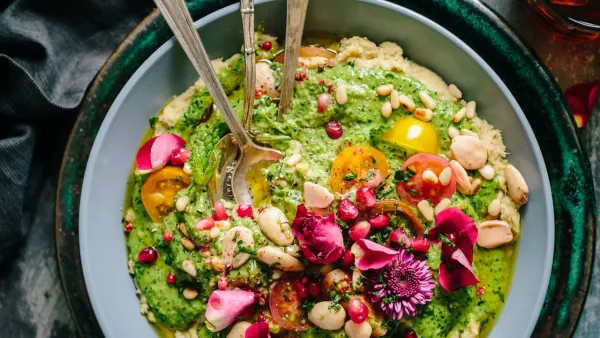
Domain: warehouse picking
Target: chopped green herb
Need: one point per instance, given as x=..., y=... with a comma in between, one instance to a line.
x=403, y=175
x=350, y=177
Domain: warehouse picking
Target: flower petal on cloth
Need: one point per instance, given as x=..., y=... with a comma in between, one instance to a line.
x=581, y=98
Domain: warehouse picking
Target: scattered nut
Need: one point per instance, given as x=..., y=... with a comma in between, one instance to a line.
x=188, y=244
x=386, y=109
x=187, y=169
x=494, y=208
x=459, y=115
x=407, y=102
x=442, y=205
x=238, y=330
x=493, y=233
x=384, y=90
x=454, y=91
x=317, y=196
x=293, y=160
x=182, y=203
x=427, y=100
x=429, y=176
x=189, y=293
x=423, y=114
x=327, y=316
x=231, y=241
x=426, y=210
x=453, y=132
x=517, y=187
x=463, y=184
x=214, y=232
x=487, y=172
x=471, y=106
x=275, y=226
x=445, y=176
x=469, y=151
x=395, y=99
x=130, y=216
x=188, y=266
x=271, y=255
x=341, y=97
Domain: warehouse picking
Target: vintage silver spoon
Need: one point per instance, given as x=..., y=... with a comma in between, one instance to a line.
x=296, y=15
x=179, y=20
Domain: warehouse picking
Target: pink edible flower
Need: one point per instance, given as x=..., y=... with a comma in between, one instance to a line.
x=258, y=330
x=224, y=306
x=581, y=98
x=320, y=238
x=157, y=152
x=370, y=255
x=460, y=234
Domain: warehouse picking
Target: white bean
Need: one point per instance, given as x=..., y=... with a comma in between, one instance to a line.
x=493, y=233
x=487, y=172
x=427, y=100
x=190, y=293
x=271, y=255
x=517, y=187
x=238, y=330
x=362, y=330
x=182, y=203
x=275, y=226
x=326, y=316
x=469, y=151
x=317, y=196
x=232, y=240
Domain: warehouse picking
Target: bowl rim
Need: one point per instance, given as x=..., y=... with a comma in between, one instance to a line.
x=96, y=303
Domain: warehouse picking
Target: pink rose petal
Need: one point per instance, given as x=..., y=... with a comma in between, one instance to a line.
x=581, y=98
x=319, y=238
x=258, y=330
x=157, y=152
x=456, y=272
x=370, y=255
x=224, y=306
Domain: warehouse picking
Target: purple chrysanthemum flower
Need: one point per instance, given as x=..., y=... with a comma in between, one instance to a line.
x=402, y=285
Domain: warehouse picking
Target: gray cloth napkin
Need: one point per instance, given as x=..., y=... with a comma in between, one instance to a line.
x=49, y=53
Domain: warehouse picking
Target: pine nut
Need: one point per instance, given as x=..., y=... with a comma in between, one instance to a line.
x=217, y=263
x=453, y=132
x=183, y=230
x=188, y=244
x=427, y=100
x=325, y=316
x=214, y=232
x=445, y=176
x=276, y=274
x=386, y=109
x=301, y=167
x=395, y=99
x=429, y=176
x=494, y=208
x=293, y=160
x=187, y=169
x=341, y=95
x=471, y=106
x=204, y=253
x=466, y=132
x=130, y=216
x=423, y=114
x=487, y=172
x=223, y=225
x=454, y=91
x=189, y=293
x=384, y=90
x=475, y=185
x=188, y=266
x=182, y=203
x=442, y=205
x=459, y=115
x=426, y=210
x=407, y=102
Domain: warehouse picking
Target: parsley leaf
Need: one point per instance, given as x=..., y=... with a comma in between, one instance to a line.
x=351, y=63
x=335, y=300
x=350, y=177
x=444, y=238
x=403, y=176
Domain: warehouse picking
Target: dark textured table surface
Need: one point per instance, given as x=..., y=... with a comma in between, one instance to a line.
x=32, y=303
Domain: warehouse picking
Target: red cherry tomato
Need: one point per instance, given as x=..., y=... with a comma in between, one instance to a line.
x=416, y=189
x=285, y=305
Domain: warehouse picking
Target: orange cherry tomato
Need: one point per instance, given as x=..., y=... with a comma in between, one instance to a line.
x=159, y=190
x=307, y=52
x=416, y=189
x=353, y=163
x=284, y=304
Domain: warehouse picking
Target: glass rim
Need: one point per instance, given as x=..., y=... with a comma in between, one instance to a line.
x=573, y=23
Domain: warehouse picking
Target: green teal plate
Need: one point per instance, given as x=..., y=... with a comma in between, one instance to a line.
x=530, y=83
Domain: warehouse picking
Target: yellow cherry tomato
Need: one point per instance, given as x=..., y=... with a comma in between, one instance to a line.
x=159, y=190
x=413, y=134
x=353, y=163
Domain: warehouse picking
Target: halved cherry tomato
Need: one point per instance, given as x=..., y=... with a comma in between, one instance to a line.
x=307, y=52
x=416, y=189
x=353, y=164
x=284, y=304
x=159, y=190
x=401, y=208
x=413, y=134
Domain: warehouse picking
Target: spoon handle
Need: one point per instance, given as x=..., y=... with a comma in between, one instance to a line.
x=296, y=14
x=177, y=16
x=247, y=9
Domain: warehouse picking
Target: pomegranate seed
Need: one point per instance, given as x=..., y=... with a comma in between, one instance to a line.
x=267, y=45
x=420, y=244
x=410, y=333
x=301, y=290
x=359, y=230
x=261, y=317
x=304, y=280
x=257, y=93
x=374, y=178
x=480, y=290
x=222, y=284
x=398, y=238
x=313, y=289
x=320, y=68
x=323, y=102
x=167, y=236
x=171, y=279
x=366, y=196
x=204, y=224
x=347, y=210
x=129, y=227
x=334, y=129
x=358, y=311
x=245, y=210
x=220, y=212
x=147, y=256
x=303, y=75
x=180, y=156
x=379, y=221
x=347, y=259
